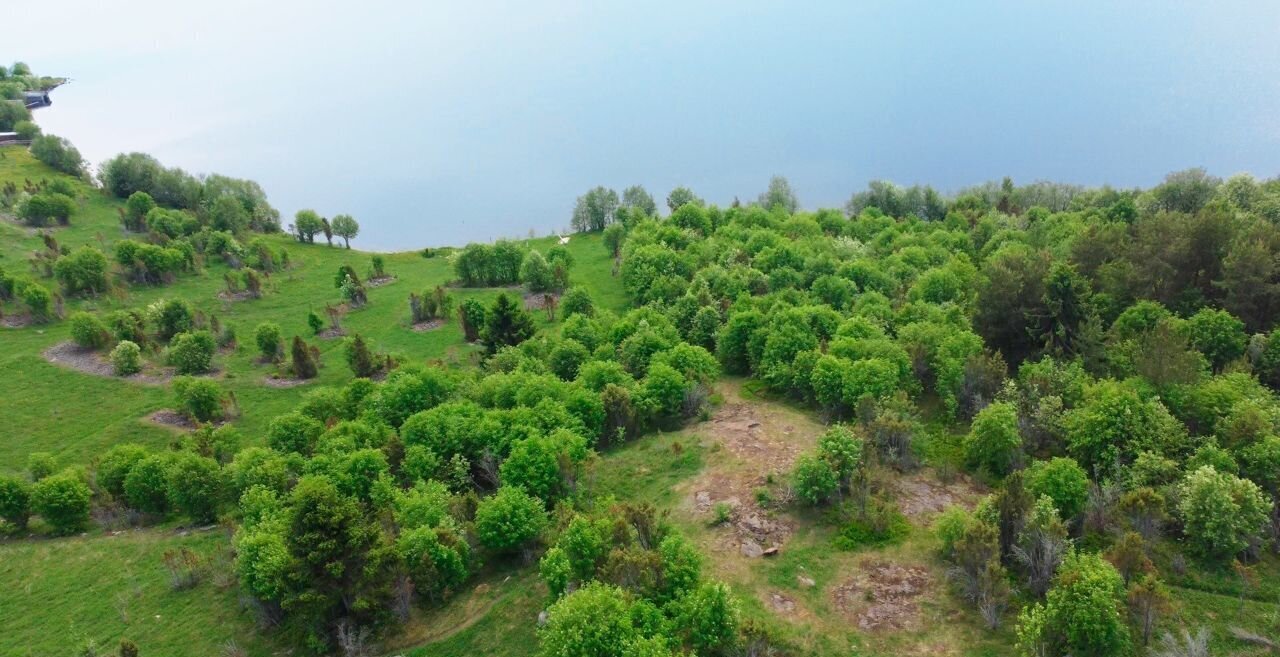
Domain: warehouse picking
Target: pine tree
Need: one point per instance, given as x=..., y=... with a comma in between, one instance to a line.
x=360, y=358
x=506, y=324
x=304, y=364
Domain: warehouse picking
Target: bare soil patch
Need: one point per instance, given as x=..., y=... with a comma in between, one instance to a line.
x=72, y=356
x=429, y=325
x=242, y=295
x=16, y=320
x=168, y=417
x=331, y=333
x=380, y=281
x=779, y=603
x=538, y=300
x=921, y=495
x=883, y=596
x=762, y=442
x=284, y=382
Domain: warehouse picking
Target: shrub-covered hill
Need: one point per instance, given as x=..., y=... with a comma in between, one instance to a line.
x=1034, y=420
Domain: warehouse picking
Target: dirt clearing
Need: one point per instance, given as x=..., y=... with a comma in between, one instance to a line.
x=753, y=447
x=883, y=595
x=921, y=495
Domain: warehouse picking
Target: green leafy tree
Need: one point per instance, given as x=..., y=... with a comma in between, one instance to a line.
x=681, y=196
x=993, y=443
x=1216, y=334
x=510, y=519
x=577, y=301
x=436, y=558
x=1062, y=480
x=613, y=237
x=294, y=432
x=114, y=465
x=195, y=486
x=814, y=479
x=1221, y=513
x=270, y=345
x=1082, y=613
x=595, y=210
x=594, y=621
x=637, y=197
x=58, y=153
x=41, y=465
x=306, y=223
x=536, y=273
x=83, y=271
x=707, y=618
x=779, y=195
x=136, y=208
x=346, y=227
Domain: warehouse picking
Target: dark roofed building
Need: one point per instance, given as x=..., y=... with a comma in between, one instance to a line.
x=37, y=99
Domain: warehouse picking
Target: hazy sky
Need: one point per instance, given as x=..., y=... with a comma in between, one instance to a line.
x=445, y=122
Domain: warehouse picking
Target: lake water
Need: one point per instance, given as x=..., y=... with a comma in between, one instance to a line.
x=439, y=123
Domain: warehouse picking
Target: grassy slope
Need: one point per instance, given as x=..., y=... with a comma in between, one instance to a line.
x=48, y=408
x=76, y=416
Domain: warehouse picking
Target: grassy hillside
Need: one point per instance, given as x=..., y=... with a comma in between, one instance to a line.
x=59, y=410
x=119, y=585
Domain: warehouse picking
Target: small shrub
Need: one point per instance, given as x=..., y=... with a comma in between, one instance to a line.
x=721, y=513
x=41, y=465
x=88, y=331
x=881, y=525
x=267, y=337
x=185, y=568
x=199, y=399
x=63, y=501
x=15, y=501
x=126, y=358
x=315, y=322
x=192, y=353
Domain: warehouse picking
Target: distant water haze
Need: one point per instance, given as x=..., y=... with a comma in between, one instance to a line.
x=443, y=123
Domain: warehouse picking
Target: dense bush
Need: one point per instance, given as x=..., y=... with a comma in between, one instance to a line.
x=199, y=399
x=83, y=271
x=62, y=500
x=15, y=502
x=270, y=345
x=126, y=358
x=88, y=331
x=509, y=520
x=58, y=153
x=192, y=353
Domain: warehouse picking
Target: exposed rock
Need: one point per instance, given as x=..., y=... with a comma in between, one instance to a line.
x=751, y=549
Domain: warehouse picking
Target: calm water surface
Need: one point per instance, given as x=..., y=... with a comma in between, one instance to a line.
x=441, y=123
